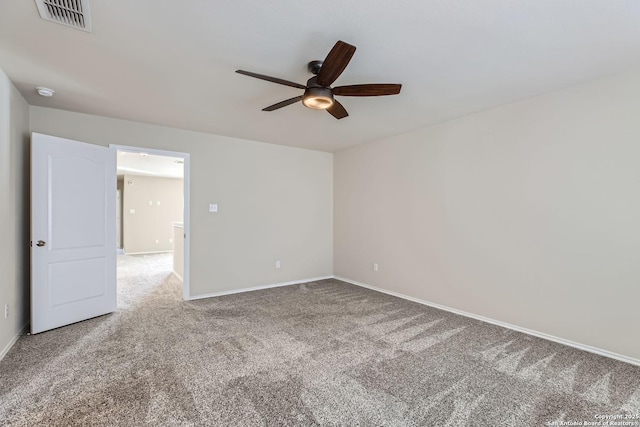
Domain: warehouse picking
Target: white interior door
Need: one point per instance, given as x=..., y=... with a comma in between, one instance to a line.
x=73, y=251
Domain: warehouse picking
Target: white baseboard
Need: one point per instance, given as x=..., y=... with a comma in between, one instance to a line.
x=179, y=277
x=258, y=288
x=11, y=343
x=542, y=335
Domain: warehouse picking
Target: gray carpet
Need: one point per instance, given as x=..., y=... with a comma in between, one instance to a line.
x=321, y=353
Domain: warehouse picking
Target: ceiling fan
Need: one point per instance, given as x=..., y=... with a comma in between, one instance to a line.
x=318, y=93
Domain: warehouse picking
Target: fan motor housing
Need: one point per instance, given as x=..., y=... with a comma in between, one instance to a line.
x=314, y=67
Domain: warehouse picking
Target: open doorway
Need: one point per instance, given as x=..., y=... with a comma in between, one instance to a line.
x=152, y=214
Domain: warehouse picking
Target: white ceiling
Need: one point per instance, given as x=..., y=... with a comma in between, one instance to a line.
x=140, y=163
x=172, y=62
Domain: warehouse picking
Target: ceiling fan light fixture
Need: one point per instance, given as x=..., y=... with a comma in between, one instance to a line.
x=318, y=98
x=318, y=93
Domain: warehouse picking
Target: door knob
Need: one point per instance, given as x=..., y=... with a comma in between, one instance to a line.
x=41, y=243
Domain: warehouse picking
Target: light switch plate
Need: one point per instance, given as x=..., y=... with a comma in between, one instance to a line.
x=213, y=207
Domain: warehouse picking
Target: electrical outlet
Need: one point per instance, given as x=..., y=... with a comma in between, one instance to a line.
x=375, y=267
x=6, y=311
x=277, y=264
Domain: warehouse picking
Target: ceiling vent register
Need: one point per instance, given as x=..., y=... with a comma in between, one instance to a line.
x=72, y=13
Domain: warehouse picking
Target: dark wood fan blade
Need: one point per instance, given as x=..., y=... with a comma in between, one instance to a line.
x=283, y=103
x=368, y=90
x=337, y=110
x=335, y=63
x=271, y=79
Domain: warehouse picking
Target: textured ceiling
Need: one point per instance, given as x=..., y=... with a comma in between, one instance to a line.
x=172, y=62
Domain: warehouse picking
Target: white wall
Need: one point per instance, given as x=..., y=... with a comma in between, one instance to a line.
x=528, y=214
x=275, y=202
x=14, y=217
x=157, y=203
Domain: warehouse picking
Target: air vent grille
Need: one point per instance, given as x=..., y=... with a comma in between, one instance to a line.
x=72, y=13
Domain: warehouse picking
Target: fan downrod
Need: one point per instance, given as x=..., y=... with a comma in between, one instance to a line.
x=314, y=67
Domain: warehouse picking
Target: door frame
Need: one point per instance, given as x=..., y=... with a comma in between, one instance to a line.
x=118, y=215
x=186, y=293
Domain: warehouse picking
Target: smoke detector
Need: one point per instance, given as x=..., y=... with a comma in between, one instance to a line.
x=72, y=13
x=45, y=91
